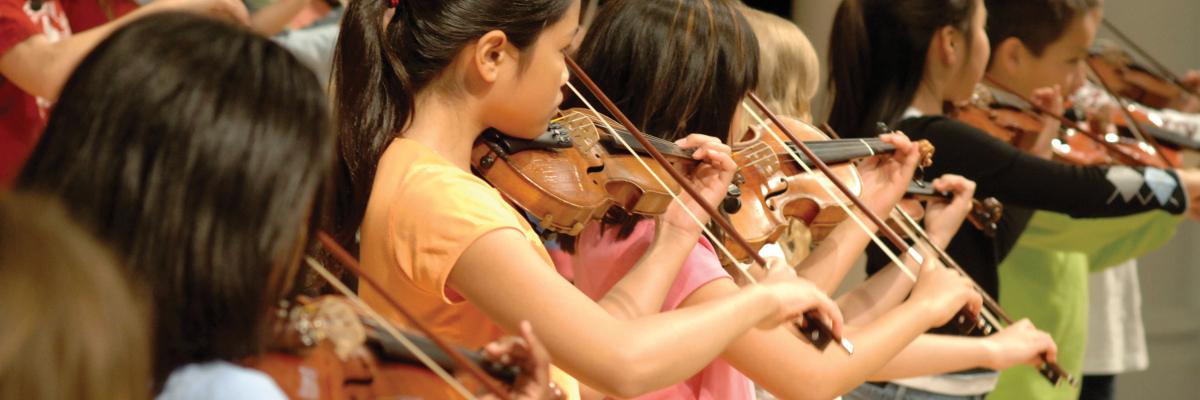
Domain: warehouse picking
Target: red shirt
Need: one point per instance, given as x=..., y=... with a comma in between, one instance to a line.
x=88, y=14
x=22, y=115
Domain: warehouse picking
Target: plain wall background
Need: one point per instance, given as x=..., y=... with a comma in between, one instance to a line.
x=1170, y=277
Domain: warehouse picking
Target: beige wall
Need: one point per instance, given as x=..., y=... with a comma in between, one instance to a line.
x=1170, y=277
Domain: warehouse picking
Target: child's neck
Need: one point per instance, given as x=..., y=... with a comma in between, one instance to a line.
x=448, y=126
x=929, y=98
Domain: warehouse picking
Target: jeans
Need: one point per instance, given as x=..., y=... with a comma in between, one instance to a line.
x=891, y=391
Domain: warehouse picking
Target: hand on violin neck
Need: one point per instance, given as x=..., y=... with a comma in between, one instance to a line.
x=1050, y=101
x=941, y=293
x=797, y=297
x=711, y=178
x=943, y=219
x=885, y=178
x=528, y=353
x=1019, y=343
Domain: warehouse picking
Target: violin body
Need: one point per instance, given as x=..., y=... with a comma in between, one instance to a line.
x=1135, y=82
x=574, y=172
x=774, y=189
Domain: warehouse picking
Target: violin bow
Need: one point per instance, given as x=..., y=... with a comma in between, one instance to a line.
x=350, y=263
x=964, y=319
x=815, y=330
x=1112, y=148
x=1052, y=371
x=1162, y=69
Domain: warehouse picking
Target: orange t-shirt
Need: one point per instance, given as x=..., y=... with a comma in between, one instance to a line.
x=423, y=213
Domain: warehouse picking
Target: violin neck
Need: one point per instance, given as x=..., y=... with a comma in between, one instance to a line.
x=667, y=148
x=390, y=349
x=841, y=151
x=921, y=190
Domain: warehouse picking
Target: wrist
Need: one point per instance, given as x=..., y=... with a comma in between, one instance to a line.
x=990, y=353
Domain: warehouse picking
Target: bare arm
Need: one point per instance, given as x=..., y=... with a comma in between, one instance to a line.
x=790, y=368
x=41, y=67
x=623, y=358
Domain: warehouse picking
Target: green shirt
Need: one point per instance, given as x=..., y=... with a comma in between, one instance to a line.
x=1045, y=279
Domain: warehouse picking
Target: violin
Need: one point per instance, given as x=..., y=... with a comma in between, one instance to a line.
x=1076, y=144
x=772, y=189
x=775, y=189
x=575, y=171
x=1116, y=69
x=985, y=214
x=324, y=349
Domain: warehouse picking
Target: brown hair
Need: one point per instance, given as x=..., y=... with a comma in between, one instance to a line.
x=1036, y=23
x=72, y=329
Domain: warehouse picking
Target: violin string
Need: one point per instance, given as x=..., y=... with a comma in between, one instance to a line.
x=712, y=238
x=845, y=208
x=389, y=328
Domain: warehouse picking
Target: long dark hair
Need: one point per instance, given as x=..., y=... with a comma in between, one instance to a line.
x=196, y=150
x=380, y=65
x=673, y=67
x=877, y=57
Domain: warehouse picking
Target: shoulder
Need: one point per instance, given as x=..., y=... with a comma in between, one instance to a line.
x=942, y=128
x=219, y=380
x=415, y=181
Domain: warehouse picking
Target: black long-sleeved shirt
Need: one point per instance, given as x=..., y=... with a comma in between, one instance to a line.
x=1025, y=183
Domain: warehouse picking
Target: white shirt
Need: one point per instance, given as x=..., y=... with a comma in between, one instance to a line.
x=1116, y=340
x=219, y=380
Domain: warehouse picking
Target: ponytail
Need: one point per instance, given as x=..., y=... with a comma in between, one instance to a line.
x=379, y=67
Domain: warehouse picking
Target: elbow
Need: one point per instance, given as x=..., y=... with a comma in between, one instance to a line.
x=631, y=372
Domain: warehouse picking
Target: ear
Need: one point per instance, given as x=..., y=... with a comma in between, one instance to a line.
x=948, y=43
x=1010, y=55
x=489, y=55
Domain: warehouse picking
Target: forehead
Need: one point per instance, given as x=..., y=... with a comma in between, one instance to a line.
x=1077, y=37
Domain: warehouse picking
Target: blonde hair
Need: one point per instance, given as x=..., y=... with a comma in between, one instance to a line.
x=788, y=69
x=71, y=326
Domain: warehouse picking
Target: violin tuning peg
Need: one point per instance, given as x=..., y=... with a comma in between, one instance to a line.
x=733, y=202
x=882, y=128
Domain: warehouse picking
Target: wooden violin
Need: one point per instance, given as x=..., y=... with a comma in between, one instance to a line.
x=773, y=188
x=1127, y=78
x=576, y=170
x=326, y=349
x=1075, y=145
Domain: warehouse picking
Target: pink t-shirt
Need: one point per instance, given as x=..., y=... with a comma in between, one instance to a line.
x=601, y=260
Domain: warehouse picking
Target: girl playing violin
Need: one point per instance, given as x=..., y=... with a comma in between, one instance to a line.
x=659, y=68
x=783, y=40
x=205, y=190
x=898, y=62
x=73, y=328
x=417, y=82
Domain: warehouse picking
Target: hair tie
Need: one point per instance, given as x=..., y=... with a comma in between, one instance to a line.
x=394, y=3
